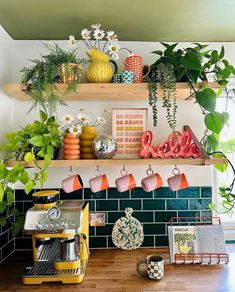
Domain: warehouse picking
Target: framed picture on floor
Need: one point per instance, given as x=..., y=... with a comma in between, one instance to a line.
x=128, y=124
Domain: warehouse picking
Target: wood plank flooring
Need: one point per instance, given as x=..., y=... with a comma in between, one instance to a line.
x=115, y=271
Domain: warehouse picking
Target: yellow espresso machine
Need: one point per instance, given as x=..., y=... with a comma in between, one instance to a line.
x=60, y=239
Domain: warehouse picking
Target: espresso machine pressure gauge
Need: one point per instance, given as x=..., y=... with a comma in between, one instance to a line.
x=53, y=213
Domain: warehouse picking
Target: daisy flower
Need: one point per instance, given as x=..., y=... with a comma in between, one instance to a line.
x=75, y=130
x=98, y=34
x=86, y=34
x=68, y=119
x=84, y=118
x=111, y=36
x=114, y=48
x=95, y=26
x=72, y=40
x=101, y=120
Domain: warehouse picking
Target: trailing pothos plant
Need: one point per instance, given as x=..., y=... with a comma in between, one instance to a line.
x=37, y=141
x=192, y=65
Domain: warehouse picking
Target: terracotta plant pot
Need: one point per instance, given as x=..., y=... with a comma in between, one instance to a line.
x=86, y=138
x=71, y=149
x=67, y=72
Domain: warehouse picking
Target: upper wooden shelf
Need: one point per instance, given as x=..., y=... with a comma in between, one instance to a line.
x=121, y=162
x=107, y=91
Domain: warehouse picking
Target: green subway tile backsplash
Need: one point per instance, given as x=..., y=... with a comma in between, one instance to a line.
x=134, y=204
x=153, y=209
x=199, y=204
x=164, y=192
x=191, y=192
x=154, y=204
x=113, y=193
x=206, y=192
x=153, y=228
x=106, y=205
x=177, y=204
x=140, y=193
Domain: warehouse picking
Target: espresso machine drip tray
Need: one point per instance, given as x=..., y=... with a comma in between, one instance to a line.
x=44, y=271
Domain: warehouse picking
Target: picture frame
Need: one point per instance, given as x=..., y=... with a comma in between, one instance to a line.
x=127, y=126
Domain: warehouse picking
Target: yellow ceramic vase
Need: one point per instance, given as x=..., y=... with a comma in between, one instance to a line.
x=86, y=140
x=100, y=70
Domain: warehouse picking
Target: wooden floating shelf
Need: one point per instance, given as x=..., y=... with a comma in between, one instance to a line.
x=108, y=91
x=121, y=162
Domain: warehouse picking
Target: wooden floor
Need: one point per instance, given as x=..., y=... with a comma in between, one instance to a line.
x=115, y=271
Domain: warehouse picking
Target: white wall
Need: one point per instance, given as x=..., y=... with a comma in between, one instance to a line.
x=6, y=102
x=188, y=112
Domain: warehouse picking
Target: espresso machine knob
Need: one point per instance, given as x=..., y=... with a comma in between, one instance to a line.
x=39, y=225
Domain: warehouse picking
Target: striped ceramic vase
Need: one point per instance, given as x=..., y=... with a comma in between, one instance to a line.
x=71, y=148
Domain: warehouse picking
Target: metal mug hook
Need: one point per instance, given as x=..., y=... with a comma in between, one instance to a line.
x=123, y=171
x=97, y=171
x=149, y=171
x=175, y=170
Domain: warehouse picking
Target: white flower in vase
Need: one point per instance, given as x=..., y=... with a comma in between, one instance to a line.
x=75, y=130
x=86, y=34
x=84, y=119
x=67, y=119
x=101, y=120
x=111, y=36
x=96, y=26
x=114, y=48
x=98, y=34
x=62, y=129
x=72, y=40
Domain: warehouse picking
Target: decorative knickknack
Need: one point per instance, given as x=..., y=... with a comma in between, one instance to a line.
x=128, y=232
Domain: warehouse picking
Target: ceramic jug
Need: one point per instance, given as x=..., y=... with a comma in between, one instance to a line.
x=100, y=70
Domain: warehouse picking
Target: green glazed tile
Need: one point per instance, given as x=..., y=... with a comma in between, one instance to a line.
x=134, y=204
x=154, y=204
x=140, y=193
x=164, y=192
x=164, y=216
x=154, y=228
x=206, y=192
x=110, y=242
x=148, y=241
x=191, y=192
x=114, y=216
x=206, y=214
x=91, y=231
x=199, y=204
x=144, y=216
x=89, y=195
x=177, y=204
x=97, y=242
x=189, y=214
x=106, y=205
x=161, y=241
x=113, y=193
x=104, y=230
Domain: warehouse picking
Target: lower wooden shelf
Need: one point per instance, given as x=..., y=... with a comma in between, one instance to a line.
x=121, y=162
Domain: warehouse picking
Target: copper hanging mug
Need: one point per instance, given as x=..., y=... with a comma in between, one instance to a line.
x=135, y=64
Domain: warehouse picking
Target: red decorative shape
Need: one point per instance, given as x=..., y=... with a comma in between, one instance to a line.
x=178, y=145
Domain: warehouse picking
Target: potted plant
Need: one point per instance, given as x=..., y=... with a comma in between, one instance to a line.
x=192, y=64
x=40, y=80
x=37, y=141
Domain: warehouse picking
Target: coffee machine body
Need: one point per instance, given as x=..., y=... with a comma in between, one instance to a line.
x=60, y=241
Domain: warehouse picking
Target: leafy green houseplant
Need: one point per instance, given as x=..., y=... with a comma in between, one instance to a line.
x=41, y=79
x=192, y=65
x=37, y=141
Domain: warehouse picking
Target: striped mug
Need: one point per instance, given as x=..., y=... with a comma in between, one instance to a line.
x=98, y=183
